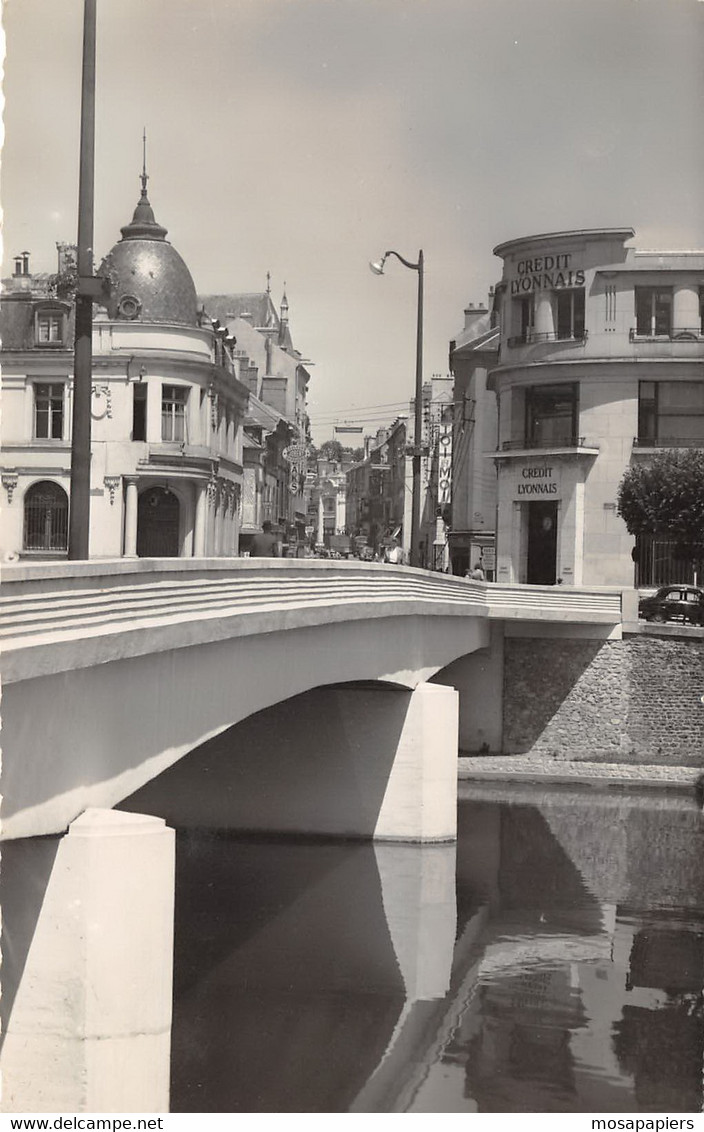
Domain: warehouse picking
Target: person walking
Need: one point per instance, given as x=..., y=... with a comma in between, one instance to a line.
x=265, y=544
x=395, y=554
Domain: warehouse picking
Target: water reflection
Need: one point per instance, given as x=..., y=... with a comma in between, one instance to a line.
x=551, y=961
x=294, y=964
x=554, y=964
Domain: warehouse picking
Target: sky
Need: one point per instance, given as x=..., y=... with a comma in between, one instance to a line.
x=306, y=137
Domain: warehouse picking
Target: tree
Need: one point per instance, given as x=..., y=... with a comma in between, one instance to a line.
x=330, y=450
x=665, y=497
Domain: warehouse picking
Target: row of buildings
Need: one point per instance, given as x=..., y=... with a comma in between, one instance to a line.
x=589, y=356
x=198, y=410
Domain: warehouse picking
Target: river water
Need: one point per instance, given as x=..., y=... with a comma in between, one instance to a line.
x=550, y=961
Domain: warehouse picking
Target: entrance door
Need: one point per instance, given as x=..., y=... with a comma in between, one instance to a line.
x=157, y=524
x=542, y=544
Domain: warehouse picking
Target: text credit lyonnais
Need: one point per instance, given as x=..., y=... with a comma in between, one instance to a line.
x=546, y=273
x=539, y=481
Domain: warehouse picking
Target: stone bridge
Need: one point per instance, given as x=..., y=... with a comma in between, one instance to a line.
x=113, y=671
x=310, y=697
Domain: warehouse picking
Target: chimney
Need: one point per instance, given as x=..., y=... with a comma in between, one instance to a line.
x=18, y=266
x=473, y=314
x=66, y=254
x=25, y=263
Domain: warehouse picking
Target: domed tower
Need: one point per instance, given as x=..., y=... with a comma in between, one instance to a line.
x=149, y=282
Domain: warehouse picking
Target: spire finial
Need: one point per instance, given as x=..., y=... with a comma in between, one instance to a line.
x=143, y=225
x=144, y=177
x=268, y=282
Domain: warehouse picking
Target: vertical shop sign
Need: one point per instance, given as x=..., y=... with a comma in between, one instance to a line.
x=445, y=464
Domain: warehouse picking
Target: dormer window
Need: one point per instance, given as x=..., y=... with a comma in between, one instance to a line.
x=50, y=326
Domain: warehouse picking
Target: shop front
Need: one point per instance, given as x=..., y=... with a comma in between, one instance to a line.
x=541, y=506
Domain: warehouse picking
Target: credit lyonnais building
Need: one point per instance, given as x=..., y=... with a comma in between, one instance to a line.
x=601, y=362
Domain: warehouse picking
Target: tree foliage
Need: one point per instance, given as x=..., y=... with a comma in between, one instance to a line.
x=335, y=451
x=330, y=450
x=665, y=497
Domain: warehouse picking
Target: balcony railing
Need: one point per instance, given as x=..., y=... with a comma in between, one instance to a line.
x=565, y=442
x=674, y=334
x=532, y=337
x=668, y=442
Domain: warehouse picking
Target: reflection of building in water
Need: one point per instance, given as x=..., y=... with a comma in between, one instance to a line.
x=579, y=1003
x=520, y=1060
x=662, y=1046
x=519, y=1057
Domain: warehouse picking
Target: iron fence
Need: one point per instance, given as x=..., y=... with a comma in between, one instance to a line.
x=46, y=518
x=658, y=563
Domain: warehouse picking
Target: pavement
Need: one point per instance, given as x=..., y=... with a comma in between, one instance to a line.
x=532, y=768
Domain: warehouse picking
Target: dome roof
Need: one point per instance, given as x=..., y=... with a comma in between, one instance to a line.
x=149, y=282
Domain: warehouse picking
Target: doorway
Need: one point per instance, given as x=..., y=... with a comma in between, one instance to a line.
x=158, y=524
x=542, y=544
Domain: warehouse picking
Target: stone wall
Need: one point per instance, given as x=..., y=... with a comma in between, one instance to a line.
x=637, y=700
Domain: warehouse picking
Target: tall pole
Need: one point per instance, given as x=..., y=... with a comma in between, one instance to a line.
x=416, y=450
x=418, y=426
x=79, y=518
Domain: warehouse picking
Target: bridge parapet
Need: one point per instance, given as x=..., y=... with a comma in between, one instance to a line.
x=57, y=617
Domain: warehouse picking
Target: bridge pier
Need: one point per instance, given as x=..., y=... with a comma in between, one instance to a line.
x=87, y=967
x=420, y=801
x=479, y=678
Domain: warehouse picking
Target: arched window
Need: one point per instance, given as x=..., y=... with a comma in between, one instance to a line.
x=45, y=517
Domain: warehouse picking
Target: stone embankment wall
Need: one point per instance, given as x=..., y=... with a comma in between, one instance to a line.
x=637, y=700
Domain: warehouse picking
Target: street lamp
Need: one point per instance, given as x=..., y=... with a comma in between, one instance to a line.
x=378, y=269
x=79, y=511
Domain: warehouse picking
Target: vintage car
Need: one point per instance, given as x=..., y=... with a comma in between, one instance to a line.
x=674, y=603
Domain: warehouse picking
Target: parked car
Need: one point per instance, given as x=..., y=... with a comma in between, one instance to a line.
x=674, y=603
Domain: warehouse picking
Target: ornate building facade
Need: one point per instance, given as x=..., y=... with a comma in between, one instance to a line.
x=167, y=410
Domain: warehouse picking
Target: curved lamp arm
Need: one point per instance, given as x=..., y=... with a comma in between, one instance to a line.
x=378, y=268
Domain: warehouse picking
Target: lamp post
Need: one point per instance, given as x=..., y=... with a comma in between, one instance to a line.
x=378, y=269
x=79, y=514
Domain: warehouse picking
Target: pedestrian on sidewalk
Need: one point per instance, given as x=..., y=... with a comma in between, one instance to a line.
x=265, y=544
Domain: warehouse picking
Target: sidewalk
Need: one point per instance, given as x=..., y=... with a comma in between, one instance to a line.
x=529, y=768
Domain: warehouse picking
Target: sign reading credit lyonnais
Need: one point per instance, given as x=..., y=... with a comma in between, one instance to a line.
x=536, y=481
x=546, y=273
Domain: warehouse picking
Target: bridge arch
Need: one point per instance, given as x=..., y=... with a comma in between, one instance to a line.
x=113, y=727
x=320, y=762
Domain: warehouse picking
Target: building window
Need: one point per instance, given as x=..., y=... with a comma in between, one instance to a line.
x=139, y=412
x=653, y=311
x=552, y=412
x=173, y=412
x=523, y=318
x=570, y=314
x=49, y=328
x=49, y=410
x=45, y=517
x=671, y=413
